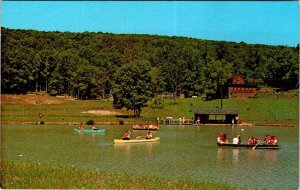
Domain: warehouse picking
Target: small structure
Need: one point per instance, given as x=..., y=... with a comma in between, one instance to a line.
x=215, y=116
x=237, y=88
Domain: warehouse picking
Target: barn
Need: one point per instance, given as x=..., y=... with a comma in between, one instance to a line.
x=237, y=87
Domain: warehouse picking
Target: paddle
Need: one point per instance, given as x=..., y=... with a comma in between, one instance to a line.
x=256, y=145
x=138, y=137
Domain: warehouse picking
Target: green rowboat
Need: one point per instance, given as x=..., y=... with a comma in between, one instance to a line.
x=89, y=130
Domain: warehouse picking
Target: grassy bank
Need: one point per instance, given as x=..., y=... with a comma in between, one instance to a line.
x=40, y=176
x=278, y=108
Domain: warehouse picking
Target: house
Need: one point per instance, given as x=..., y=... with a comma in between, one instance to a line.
x=237, y=87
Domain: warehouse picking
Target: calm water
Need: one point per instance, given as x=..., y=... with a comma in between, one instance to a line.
x=183, y=153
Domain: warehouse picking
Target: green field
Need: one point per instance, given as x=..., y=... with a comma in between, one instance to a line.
x=264, y=109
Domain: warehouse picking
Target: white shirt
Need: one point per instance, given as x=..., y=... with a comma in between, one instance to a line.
x=235, y=140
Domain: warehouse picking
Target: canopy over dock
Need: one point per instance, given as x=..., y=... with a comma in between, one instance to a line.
x=215, y=116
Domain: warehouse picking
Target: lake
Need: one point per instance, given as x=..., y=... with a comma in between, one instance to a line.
x=184, y=152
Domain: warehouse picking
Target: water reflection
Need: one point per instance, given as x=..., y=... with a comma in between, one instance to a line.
x=235, y=155
x=221, y=154
x=271, y=157
x=130, y=149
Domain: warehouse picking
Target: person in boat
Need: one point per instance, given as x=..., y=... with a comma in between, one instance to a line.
x=81, y=126
x=127, y=135
x=149, y=135
x=222, y=138
x=94, y=127
x=236, y=139
x=273, y=140
x=253, y=140
x=267, y=139
x=240, y=140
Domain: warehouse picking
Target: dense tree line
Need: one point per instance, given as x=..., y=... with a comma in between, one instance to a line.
x=84, y=64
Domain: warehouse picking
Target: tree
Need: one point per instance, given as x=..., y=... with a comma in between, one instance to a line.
x=131, y=86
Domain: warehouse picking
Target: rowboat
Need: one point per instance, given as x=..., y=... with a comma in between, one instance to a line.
x=121, y=141
x=89, y=130
x=148, y=129
x=257, y=146
x=145, y=127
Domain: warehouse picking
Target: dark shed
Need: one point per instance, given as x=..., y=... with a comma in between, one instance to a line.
x=215, y=116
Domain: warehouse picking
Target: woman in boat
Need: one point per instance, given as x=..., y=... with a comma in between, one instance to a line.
x=149, y=135
x=127, y=135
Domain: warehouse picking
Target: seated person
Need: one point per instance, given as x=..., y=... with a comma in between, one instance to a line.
x=267, y=139
x=81, y=126
x=94, y=127
x=273, y=140
x=253, y=140
x=222, y=138
x=149, y=135
x=236, y=140
x=127, y=135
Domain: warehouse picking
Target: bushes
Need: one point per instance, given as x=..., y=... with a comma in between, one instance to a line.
x=157, y=103
x=90, y=122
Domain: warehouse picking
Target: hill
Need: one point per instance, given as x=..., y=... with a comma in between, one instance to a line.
x=83, y=64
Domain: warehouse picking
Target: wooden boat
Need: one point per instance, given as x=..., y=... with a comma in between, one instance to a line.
x=145, y=127
x=89, y=130
x=259, y=146
x=121, y=141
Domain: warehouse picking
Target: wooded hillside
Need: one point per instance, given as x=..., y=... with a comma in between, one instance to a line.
x=83, y=64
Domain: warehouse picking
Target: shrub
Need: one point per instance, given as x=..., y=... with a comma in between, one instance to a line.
x=121, y=122
x=90, y=122
x=157, y=103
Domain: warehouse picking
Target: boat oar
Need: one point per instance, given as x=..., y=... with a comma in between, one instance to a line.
x=256, y=144
x=138, y=137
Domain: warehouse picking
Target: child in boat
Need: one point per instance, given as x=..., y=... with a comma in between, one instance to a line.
x=149, y=135
x=94, y=127
x=81, y=126
x=236, y=139
x=253, y=140
x=267, y=139
x=127, y=135
x=222, y=138
x=273, y=140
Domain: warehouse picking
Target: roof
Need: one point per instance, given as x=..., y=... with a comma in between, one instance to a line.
x=216, y=111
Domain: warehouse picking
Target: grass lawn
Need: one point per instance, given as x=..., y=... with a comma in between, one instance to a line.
x=41, y=176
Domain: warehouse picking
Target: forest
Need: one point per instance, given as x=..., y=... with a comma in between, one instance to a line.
x=84, y=64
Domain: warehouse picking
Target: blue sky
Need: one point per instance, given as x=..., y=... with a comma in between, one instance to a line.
x=273, y=23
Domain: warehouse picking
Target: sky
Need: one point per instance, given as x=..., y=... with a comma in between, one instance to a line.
x=272, y=23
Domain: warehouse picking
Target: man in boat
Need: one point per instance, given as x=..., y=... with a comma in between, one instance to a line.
x=149, y=135
x=127, y=135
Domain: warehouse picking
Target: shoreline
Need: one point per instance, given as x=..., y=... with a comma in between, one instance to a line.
x=293, y=125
